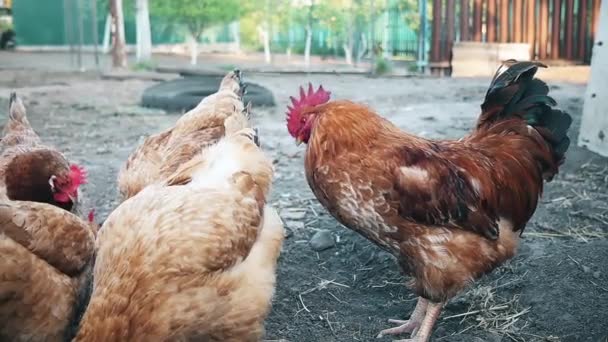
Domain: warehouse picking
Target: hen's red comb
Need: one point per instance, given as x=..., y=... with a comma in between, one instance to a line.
x=307, y=99
x=78, y=175
x=91, y=216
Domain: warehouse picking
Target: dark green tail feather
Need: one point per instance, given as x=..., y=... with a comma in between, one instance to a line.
x=515, y=92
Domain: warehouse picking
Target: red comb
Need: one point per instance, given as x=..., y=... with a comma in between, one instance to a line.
x=78, y=175
x=307, y=99
x=91, y=215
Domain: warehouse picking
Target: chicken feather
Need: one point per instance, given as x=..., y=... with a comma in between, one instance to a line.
x=159, y=156
x=192, y=257
x=45, y=258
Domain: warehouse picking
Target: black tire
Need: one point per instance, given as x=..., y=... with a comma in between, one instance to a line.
x=185, y=93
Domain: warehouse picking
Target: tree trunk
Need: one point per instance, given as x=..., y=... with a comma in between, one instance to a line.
x=144, y=38
x=107, y=33
x=119, y=53
x=265, y=37
x=307, y=47
x=348, y=52
x=236, y=34
x=362, y=49
x=193, y=48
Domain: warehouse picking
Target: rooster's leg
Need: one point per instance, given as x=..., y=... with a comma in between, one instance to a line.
x=412, y=324
x=426, y=327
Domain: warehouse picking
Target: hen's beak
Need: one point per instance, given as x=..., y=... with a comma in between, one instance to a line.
x=299, y=141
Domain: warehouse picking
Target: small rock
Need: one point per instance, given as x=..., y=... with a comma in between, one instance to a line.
x=293, y=214
x=295, y=225
x=596, y=274
x=322, y=240
x=103, y=150
x=288, y=233
x=586, y=269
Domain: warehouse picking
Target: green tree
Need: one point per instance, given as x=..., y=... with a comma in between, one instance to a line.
x=196, y=15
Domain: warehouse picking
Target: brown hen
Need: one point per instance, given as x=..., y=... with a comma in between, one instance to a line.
x=32, y=171
x=191, y=258
x=160, y=155
x=45, y=257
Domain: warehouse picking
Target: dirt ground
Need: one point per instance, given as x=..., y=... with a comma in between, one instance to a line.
x=556, y=289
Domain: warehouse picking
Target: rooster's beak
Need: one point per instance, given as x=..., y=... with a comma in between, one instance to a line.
x=299, y=141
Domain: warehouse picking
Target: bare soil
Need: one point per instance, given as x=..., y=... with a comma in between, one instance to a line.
x=556, y=289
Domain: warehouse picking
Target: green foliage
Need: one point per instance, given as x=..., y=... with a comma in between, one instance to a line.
x=382, y=66
x=144, y=66
x=5, y=25
x=196, y=15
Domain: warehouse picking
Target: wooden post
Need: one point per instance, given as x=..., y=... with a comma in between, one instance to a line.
x=477, y=9
x=450, y=22
x=503, y=22
x=517, y=21
x=543, y=28
x=119, y=53
x=464, y=20
x=569, y=29
x=582, y=29
x=555, y=28
x=436, y=35
x=491, y=22
x=594, y=125
x=531, y=27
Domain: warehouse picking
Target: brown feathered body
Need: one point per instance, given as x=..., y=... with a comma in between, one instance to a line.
x=160, y=155
x=27, y=165
x=45, y=257
x=191, y=258
x=449, y=210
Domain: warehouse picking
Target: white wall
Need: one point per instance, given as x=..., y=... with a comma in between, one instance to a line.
x=594, y=127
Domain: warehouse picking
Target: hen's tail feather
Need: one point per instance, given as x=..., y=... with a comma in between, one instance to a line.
x=16, y=109
x=514, y=92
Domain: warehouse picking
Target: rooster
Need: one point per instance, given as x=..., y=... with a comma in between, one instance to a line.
x=192, y=257
x=160, y=155
x=31, y=171
x=449, y=211
x=45, y=257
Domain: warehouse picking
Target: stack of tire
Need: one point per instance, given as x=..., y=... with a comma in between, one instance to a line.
x=185, y=93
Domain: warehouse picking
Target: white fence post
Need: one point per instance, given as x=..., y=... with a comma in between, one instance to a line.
x=594, y=126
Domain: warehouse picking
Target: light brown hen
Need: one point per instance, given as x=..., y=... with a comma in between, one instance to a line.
x=161, y=154
x=191, y=258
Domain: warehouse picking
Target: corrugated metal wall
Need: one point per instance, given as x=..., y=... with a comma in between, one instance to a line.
x=556, y=29
x=49, y=22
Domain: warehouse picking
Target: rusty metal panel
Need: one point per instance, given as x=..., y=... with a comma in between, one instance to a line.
x=436, y=35
x=491, y=21
x=543, y=28
x=569, y=30
x=464, y=20
x=503, y=21
x=582, y=29
x=518, y=14
x=556, y=19
x=531, y=26
x=477, y=12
